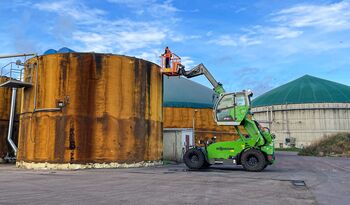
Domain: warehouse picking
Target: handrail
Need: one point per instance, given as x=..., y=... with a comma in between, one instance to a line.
x=174, y=63
x=12, y=73
x=7, y=65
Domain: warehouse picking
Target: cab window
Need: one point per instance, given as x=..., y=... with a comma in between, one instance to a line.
x=226, y=102
x=240, y=100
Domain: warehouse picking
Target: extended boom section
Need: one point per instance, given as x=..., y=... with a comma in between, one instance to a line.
x=202, y=70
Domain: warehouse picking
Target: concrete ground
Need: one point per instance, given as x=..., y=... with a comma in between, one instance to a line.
x=327, y=181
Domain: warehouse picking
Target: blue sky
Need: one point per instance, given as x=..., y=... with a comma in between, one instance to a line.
x=246, y=44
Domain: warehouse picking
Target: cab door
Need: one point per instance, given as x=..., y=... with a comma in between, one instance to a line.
x=231, y=108
x=241, y=107
x=223, y=110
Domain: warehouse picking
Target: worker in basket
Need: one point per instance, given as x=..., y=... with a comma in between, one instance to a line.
x=168, y=55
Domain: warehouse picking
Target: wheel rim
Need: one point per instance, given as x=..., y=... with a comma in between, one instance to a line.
x=194, y=159
x=252, y=161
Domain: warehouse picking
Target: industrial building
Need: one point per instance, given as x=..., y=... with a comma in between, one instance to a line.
x=304, y=110
x=82, y=110
x=188, y=117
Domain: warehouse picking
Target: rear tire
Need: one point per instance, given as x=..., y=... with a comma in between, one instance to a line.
x=194, y=159
x=253, y=160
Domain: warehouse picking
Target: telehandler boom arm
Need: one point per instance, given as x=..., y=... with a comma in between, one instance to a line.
x=202, y=70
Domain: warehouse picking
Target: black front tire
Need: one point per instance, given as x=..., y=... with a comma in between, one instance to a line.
x=253, y=160
x=194, y=159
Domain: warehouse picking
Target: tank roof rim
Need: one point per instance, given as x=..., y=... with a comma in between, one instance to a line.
x=107, y=54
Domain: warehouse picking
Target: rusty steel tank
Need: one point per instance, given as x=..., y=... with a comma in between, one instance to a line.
x=5, y=105
x=89, y=110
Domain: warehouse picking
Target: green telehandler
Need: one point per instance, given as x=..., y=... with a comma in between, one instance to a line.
x=254, y=149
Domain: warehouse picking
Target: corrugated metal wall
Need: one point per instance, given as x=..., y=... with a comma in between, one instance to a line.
x=305, y=122
x=205, y=126
x=112, y=112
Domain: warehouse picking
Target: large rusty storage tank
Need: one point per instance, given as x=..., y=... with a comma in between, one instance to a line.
x=5, y=106
x=88, y=110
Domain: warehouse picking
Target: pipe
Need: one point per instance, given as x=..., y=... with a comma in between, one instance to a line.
x=36, y=68
x=17, y=55
x=47, y=109
x=36, y=81
x=12, y=117
x=310, y=108
x=193, y=123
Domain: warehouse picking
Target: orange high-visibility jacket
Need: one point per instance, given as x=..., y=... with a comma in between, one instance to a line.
x=167, y=53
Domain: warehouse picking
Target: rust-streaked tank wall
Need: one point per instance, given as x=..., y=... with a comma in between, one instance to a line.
x=205, y=126
x=112, y=110
x=5, y=105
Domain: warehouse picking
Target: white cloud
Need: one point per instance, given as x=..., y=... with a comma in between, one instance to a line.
x=152, y=55
x=224, y=40
x=148, y=7
x=180, y=38
x=121, y=36
x=187, y=62
x=330, y=17
x=285, y=32
x=209, y=33
x=280, y=32
x=95, y=32
x=77, y=10
x=234, y=41
x=293, y=23
x=245, y=40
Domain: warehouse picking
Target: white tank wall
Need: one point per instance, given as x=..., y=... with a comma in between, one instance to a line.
x=304, y=122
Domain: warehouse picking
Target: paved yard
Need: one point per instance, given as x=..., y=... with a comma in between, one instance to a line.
x=327, y=182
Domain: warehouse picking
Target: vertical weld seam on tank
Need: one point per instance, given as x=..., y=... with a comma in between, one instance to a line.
x=143, y=70
x=150, y=125
x=139, y=126
x=89, y=139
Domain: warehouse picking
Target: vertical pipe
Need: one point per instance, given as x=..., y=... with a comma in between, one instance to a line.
x=36, y=80
x=193, y=124
x=12, y=118
x=271, y=117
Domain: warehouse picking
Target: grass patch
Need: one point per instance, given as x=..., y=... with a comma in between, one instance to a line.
x=333, y=145
x=289, y=149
